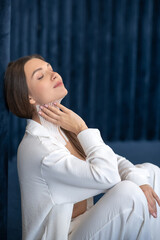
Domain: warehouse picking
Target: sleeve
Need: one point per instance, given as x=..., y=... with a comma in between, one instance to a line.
x=70, y=179
x=131, y=172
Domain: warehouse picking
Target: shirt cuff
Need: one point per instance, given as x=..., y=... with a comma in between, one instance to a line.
x=90, y=137
x=139, y=180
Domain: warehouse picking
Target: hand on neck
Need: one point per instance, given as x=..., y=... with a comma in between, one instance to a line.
x=36, y=117
x=53, y=129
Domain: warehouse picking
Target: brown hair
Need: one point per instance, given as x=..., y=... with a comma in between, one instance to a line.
x=17, y=95
x=16, y=88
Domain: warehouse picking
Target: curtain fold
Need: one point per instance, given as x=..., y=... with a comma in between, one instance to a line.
x=105, y=52
x=5, y=13
x=108, y=55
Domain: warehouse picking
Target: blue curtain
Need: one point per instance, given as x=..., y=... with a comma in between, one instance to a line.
x=108, y=53
x=4, y=58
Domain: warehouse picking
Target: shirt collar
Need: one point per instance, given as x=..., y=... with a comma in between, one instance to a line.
x=51, y=131
x=36, y=129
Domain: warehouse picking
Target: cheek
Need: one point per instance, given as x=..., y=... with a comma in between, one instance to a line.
x=45, y=93
x=38, y=91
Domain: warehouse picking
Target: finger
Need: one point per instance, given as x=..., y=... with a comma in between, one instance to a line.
x=52, y=120
x=156, y=197
x=152, y=206
x=50, y=111
x=63, y=108
x=152, y=211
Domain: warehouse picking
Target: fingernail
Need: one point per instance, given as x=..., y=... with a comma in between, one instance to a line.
x=155, y=215
x=46, y=105
x=40, y=113
x=55, y=103
x=41, y=107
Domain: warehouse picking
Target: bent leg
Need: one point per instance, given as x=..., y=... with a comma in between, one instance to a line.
x=120, y=214
x=154, y=181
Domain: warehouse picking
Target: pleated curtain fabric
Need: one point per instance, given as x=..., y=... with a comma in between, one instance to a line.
x=5, y=12
x=107, y=52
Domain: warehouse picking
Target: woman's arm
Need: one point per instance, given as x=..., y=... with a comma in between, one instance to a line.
x=131, y=172
x=63, y=117
x=140, y=176
x=70, y=179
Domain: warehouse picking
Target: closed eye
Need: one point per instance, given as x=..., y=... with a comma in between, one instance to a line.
x=40, y=77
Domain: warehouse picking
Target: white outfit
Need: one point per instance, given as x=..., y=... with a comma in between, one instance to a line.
x=52, y=180
x=121, y=214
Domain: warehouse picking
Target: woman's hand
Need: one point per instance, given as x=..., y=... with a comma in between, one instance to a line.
x=152, y=198
x=63, y=117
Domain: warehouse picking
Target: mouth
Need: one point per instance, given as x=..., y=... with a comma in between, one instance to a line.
x=58, y=84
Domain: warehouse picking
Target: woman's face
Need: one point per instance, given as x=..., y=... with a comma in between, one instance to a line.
x=43, y=83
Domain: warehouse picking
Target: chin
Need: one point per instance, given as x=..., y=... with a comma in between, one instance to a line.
x=66, y=91
x=61, y=96
x=64, y=94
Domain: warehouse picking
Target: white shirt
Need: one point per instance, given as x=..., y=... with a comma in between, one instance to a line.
x=52, y=180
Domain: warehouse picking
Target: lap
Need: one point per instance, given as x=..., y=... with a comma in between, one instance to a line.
x=111, y=211
x=154, y=181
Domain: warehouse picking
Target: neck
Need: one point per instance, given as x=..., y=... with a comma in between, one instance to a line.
x=37, y=118
x=53, y=129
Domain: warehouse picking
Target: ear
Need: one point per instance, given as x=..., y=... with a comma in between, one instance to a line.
x=31, y=100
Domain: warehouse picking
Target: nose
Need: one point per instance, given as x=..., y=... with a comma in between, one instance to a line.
x=53, y=75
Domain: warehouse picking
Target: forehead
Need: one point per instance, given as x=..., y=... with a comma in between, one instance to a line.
x=32, y=65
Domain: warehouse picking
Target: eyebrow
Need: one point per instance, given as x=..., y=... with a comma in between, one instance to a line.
x=38, y=69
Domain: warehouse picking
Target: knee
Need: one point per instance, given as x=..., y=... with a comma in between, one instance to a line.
x=154, y=176
x=129, y=188
x=131, y=193
x=154, y=171
x=125, y=197
x=152, y=167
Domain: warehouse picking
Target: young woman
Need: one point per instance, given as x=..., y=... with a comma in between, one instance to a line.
x=62, y=164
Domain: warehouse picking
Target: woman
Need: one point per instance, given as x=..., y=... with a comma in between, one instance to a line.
x=62, y=164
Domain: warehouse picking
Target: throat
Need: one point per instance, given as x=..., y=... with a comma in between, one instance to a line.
x=53, y=129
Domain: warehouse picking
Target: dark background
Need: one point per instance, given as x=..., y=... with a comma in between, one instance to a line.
x=108, y=54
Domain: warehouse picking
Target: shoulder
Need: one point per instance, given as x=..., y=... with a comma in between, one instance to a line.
x=32, y=151
x=32, y=145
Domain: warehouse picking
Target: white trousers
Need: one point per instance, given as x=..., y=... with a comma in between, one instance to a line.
x=121, y=214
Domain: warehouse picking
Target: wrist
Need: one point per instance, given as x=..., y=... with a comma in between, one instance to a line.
x=81, y=128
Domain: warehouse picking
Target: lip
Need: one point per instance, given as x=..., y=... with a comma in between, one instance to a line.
x=58, y=84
